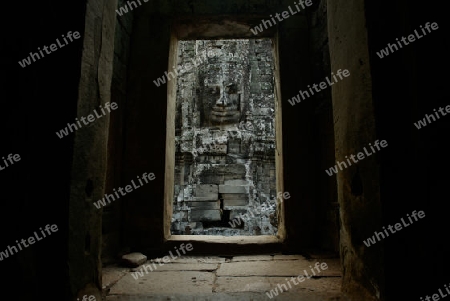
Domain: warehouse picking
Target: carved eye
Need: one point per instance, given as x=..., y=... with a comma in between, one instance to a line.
x=214, y=90
x=231, y=89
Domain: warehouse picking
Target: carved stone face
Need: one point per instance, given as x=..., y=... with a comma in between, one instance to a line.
x=226, y=108
x=221, y=95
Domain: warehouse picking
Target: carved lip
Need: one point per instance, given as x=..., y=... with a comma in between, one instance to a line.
x=223, y=120
x=225, y=110
x=225, y=113
x=225, y=117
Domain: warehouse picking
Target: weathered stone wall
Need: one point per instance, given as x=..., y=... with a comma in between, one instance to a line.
x=91, y=145
x=112, y=223
x=327, y=212
x=407, y=85
x=225, y=138
x=358, y=186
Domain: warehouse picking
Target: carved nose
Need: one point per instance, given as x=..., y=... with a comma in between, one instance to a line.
x=223, y=100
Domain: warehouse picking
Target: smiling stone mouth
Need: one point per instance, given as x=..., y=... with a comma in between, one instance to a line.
x=225, y=110
x=228, y=113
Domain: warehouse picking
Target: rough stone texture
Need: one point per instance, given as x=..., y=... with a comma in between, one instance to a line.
x=190, y=259
x=229, y=203
x=252, y=258
x=188, y=281
x=302, y=296
x=363, y=279
x=279, y=268
x=209, y=192
x=197, y=259
x=90, y=145
x=204, y=205
x=112, y=213
x=133, y=259
x=204, y=215
x=176, y=266
x=225, y=132
x=233, y=189
x=289, y=257
x=112, y=274
x=264, y=284
x=168, y=283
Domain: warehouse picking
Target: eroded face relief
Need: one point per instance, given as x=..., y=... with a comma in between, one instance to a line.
x=225, y=163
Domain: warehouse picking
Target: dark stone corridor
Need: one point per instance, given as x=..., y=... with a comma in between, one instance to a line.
x=357, y=85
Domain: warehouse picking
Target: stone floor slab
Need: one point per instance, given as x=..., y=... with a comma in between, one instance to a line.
x=278, y=268
x=265, y=284
x=288, y=257
x=242, y=278
x=324, y=284
x=242, y=284
x=303, y=296
x=252, y=258
x=176, y=282
x=178, y=267
x=110, y=275
x=199, y=259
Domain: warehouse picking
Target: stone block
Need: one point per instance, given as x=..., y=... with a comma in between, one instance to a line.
x=134, y=259
x=233, y=189
x=235, y=196
x=180, y=216
x=227, y=203
x=237, y=182
x=236, y=213
x=208, y=191
x=198, y=226
x=217, y=149
x=266, y=87
x=223, y=169
x=175, y=227
x=234, y=177
x=255, y=87
x=205, y=199
x=180, y=196
x=212, y=159
x=209, y=177
x=263, y=112
x=187, y=192
x=205, y=215
x=235, y=147
x=267, y=78
x=204, y=205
